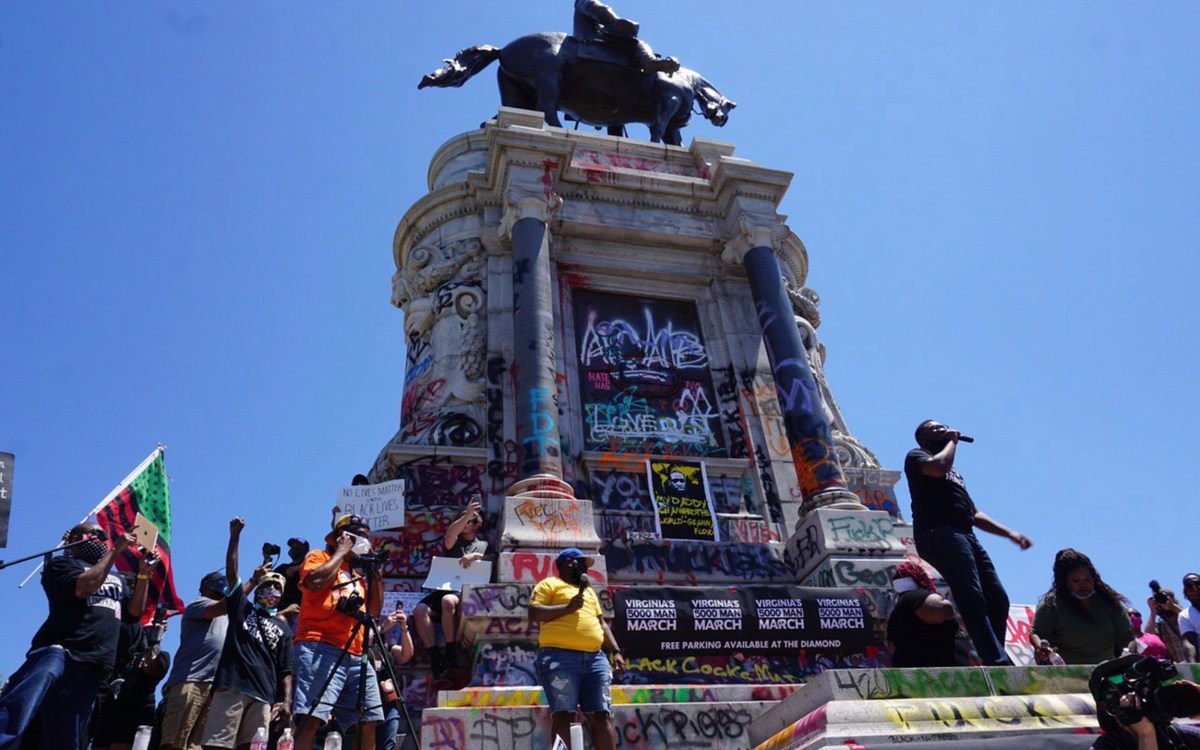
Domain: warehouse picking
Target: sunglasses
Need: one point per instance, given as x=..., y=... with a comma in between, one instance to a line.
x=100, y=534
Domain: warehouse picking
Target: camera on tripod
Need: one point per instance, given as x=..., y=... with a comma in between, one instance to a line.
x=1146, y=678
x=270, y=552
x=350, y=604
x=369, y=562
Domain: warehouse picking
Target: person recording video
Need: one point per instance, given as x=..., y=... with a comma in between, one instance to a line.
x=1164, y=622
x=76, y=647
x=443, y=607
x=335, y=595
x=1137, y=699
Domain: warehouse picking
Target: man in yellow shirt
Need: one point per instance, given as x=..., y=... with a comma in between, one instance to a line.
x=571, y=662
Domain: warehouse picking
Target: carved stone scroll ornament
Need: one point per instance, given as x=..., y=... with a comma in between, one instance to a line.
x=441, y=292
x=850, y=452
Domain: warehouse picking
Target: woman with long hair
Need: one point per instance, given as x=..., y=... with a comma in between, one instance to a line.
x=1081, y=617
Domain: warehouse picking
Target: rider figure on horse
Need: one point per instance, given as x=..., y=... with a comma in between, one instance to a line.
x=598, y=24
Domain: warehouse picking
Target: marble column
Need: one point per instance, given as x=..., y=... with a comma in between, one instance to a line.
x=534, y=363
x=809, y=434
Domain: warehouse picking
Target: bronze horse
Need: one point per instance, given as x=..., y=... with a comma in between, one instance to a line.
x=550, y=71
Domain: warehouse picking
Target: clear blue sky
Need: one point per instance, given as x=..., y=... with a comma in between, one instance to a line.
x=198, y=202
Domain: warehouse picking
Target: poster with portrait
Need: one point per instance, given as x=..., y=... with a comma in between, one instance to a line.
x=682, y=506
x=644, y=379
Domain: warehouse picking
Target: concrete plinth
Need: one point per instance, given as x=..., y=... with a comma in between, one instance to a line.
x=850, y=533
x=542, y=522
x=683, y=561
x=853, y=572
x=529, y=566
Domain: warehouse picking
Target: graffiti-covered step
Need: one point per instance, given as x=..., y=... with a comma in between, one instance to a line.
x=718, y=725
x=886, y=723
x=621, y=694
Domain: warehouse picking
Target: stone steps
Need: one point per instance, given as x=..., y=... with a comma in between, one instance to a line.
x=878, y=707
x=479, y=697
x=715, y=725
x=842, y=723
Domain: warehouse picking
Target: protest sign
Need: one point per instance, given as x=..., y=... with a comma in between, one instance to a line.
x=682, y=506
x=380, y=505
x=656, y=620
x=406, y=600
x=6, y=470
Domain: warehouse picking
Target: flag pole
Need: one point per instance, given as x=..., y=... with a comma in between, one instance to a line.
x=107, y=498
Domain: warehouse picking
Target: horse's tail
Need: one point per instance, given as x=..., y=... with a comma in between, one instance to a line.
x=465, y=64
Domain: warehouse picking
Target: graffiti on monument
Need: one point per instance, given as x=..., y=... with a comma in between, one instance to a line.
x=682, y=507
x=644, y=377
x=653, y=620
x=628, y=490
x=504, y=663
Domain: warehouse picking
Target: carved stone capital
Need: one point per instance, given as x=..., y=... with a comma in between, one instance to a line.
x=752, y=232
x=519, y=206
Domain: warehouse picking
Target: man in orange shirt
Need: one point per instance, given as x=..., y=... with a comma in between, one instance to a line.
x=328, y=614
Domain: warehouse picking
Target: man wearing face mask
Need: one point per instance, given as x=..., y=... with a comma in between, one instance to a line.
x=188, y=689
x=256, y=661
x=290, y=606
x=326, y=578
x=77, y=645
x=571, y=663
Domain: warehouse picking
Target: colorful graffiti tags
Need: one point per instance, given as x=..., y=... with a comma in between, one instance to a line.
x=628, y=490
x=644, y=377
x=692, y=562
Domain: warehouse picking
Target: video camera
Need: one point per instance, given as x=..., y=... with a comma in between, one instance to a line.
x=370, y=562
x=350, y=604
x=1152, y=681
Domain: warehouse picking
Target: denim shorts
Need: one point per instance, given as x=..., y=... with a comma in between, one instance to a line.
x=312, y=665
x=575, y=678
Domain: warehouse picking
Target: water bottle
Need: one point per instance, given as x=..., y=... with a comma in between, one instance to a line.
x=285, y=740
x=333, y=741
x=260, y=739
x=1052, y=656
x=576, y=735
x=141, y=740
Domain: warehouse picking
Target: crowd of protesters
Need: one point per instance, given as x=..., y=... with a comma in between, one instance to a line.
x=302, y=647
x=256, y=657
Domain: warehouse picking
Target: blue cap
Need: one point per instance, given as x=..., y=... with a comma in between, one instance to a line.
x=574, y=553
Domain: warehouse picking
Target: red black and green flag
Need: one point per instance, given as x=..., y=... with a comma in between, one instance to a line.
x=145, y=493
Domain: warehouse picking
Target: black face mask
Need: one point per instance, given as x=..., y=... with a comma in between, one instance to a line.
x=90, y=551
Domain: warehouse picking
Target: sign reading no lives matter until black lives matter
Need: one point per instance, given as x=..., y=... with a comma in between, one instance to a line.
x=653, y=621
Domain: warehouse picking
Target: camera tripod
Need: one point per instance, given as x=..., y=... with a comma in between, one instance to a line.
x=366, y=624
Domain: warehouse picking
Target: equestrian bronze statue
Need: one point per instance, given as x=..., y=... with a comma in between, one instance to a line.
x=601, y=75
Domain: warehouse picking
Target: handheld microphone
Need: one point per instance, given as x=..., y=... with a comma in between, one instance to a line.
x=965, y=439
x=583, y=581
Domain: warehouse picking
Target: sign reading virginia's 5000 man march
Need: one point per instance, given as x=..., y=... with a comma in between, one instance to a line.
x=651, y=621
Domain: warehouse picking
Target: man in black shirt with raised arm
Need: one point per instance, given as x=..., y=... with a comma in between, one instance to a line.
x=254, y=674
x=944, y=518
